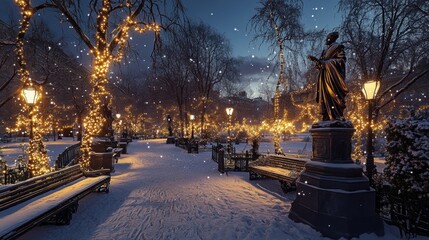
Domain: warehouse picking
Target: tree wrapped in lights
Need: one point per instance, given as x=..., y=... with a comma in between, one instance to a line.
x=114, y=20
x=277, y=23
x=38, y=161
x=308, y=111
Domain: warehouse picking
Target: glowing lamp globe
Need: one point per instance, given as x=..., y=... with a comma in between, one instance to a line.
x=30, y=95
x=229, y=111
x=370, y=89
x=192, y=117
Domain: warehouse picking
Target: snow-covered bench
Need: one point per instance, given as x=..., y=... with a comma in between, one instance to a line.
x=51, y=198
x=285, y=169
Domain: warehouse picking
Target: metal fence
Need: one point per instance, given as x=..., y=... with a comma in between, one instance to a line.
x=408, y=211
x=231, y=161
x=10, y=175
x=68, y=157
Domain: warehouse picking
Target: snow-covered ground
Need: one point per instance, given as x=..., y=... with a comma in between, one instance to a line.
x=11, y=151
x=159, y=191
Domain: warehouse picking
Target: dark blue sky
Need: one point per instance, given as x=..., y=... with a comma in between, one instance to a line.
x=231, y=17
x=228, y=17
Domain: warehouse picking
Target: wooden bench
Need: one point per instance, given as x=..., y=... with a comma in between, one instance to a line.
x=51, y=198
x=283, y=168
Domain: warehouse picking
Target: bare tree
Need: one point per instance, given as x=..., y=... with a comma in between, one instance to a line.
x=172, y=72
x=277, y=23
x=387, y=37
x=209, y=61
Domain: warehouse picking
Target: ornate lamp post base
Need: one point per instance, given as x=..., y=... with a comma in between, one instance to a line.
x=333, y=194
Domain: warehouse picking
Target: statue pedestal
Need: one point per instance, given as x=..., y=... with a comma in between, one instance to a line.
x=333, y=194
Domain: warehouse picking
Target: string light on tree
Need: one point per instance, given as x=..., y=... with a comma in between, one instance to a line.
x=106, y=53
x=38, y=161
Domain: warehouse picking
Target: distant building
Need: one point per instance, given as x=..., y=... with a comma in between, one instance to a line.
x=255, y=109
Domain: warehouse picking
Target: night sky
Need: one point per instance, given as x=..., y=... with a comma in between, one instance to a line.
x=228, y=17
x=231, y=17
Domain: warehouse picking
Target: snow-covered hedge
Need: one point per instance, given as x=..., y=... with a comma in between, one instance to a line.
x=407, y=159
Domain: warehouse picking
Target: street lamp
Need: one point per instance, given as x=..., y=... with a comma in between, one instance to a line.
x=192, y=118
x=118, y=116
x=229, y=112
x=370, y=90
x=30, y=96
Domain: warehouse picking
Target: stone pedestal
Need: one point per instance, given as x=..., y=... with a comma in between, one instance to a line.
x=103, y=160
x=333, y=194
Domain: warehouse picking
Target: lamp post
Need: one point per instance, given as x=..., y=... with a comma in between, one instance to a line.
x=370, y=90
x=170, y=130
x=118, y=116
x=229, y=112
x=192, y=118
x=30, y=96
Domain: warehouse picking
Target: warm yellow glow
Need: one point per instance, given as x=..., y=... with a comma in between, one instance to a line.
x=229, y=111
x=118, y=115
x=30, y=95
x=106, y=53
x=38, y=161
x=370, y=89
x=192, y=117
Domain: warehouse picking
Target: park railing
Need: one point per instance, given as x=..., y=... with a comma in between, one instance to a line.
x=231, y=161
x=192, y=145
x=68, y=157
x=13, y=174
x=408, y=211
x=19, y=171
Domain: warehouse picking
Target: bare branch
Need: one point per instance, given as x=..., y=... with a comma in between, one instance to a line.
x=413, y=80
x=74, y=23
x=5, y=84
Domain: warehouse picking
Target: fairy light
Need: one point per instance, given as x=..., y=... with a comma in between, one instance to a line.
x=26, y=14
x=104, y=55
x=38, y=161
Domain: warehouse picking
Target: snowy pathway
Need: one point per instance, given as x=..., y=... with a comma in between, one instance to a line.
x=161, y=192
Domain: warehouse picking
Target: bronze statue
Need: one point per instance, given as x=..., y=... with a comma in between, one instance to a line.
x=331, y=88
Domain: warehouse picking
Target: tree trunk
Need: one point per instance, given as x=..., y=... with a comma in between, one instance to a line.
x=277, y=122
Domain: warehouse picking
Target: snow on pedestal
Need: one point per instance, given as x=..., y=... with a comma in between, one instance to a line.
x=333, y=195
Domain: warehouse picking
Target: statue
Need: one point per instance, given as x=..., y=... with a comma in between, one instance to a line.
x=331, y=88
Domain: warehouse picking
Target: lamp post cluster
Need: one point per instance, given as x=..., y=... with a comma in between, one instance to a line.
x=370, y=90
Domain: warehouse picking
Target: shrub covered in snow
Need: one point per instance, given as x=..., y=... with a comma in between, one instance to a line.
x=407, y=159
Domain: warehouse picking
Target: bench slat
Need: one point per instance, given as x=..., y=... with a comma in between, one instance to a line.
x=285, y=169
x=20, y=218
x=28, y=189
